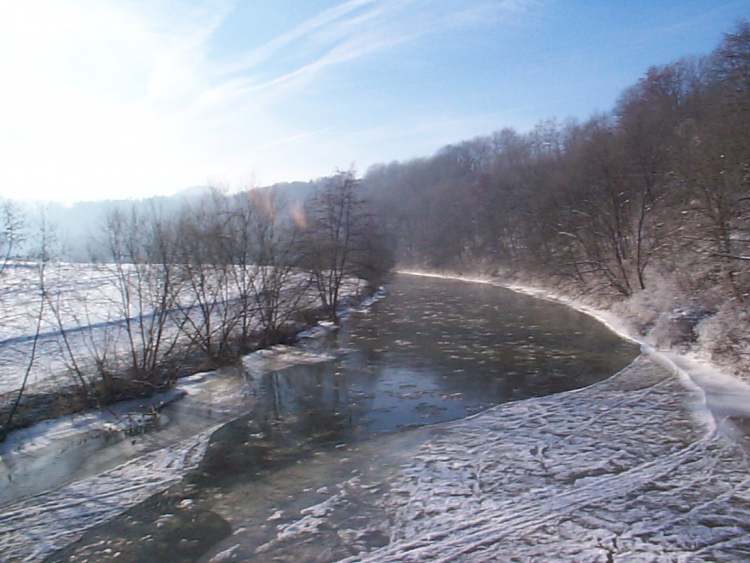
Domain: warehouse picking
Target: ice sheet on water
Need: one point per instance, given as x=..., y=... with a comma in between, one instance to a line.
x=124, y=416
x=366, y=304
x=619, y=469
x=36, y=527
x=321, y=329
x=281, y=357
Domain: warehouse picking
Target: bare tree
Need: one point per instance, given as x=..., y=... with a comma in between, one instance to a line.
x=280, y=290
x=208, y=318
x=333, y=240
x=41, y=258
x=241, y=239
x=141, y=251
x=11, y=232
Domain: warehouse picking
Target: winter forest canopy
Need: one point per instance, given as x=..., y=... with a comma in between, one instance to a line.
x=648, y=203
x=656, y=187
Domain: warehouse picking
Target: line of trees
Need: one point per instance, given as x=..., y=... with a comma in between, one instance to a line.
x=646, y=206
x=657, y=186
x=197, y=288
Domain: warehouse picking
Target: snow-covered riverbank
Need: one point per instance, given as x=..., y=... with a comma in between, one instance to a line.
x=631, y=468
x=87, y=326
x=620, y=470
x=724, y=396
x=63, y=451
x=35, y=526
x=637, y=467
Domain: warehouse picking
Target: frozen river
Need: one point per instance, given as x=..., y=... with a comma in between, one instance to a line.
x=362, y=444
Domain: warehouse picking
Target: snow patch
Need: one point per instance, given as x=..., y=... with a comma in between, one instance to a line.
x=34, y=528
x=281, y=357
x=323, y=328
x=126, y=416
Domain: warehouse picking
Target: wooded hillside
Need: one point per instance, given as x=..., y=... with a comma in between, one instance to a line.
x=648, y=201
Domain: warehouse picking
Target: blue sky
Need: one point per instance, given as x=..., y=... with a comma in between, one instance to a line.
x=128, y=99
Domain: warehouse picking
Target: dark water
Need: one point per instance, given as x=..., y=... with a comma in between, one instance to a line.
x=434, y=350
x=437, y=350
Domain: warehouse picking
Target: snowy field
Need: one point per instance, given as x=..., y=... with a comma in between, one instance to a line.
x=85, y=293
x=84, y=296
x=87, y=300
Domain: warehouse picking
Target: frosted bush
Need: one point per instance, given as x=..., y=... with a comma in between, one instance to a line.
x=725, y=337
x=651, y=307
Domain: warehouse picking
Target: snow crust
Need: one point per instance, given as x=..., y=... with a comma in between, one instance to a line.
x=366, y=304
x=621, y=470
x=639, y=467
x=280, y=357
x=37, y=526
x=618, y=470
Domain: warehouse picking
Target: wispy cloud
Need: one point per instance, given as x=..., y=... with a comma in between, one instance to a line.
x=316, y=24
x=359, y=28
x=126, y=98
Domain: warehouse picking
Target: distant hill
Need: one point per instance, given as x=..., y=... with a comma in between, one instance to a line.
x=77, y=225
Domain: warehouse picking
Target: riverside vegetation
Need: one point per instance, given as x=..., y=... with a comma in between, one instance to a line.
x=644, y=209
x=170, y=294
